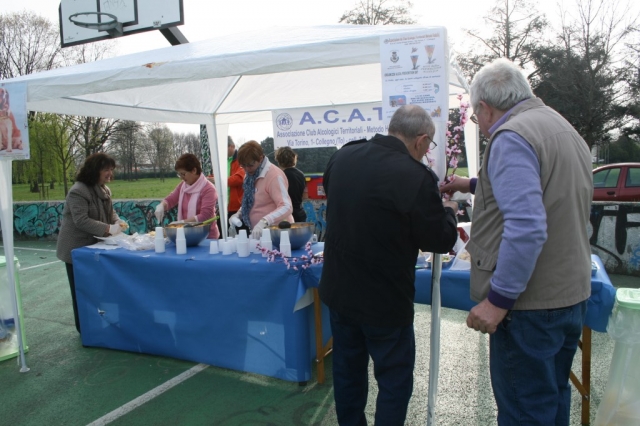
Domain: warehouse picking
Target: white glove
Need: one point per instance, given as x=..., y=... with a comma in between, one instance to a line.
x=256, y=232
x=235, y=220
x=159, y=212
x=124, y=225
x=115, y=229
x=232, y=231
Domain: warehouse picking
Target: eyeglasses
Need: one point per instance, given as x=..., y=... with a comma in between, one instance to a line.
x=181, y=174
x=432, y=143
x=474, y=118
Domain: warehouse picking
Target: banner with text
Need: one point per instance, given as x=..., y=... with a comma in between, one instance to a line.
x=415, y=72
x=14, y=133
x=331, y=126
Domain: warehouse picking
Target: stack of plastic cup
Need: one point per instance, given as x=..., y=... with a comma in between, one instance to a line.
x=232, y=244
x=181, y=242
x=213, y=247
x=225, y=247
x=242, y=244
x=253, y=245
x=159, y=241
x=285, y=245
x=265, y=241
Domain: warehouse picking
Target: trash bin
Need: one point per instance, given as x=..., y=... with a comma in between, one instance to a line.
x=620, y=405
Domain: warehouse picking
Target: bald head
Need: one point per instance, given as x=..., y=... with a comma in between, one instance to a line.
x=409, y=121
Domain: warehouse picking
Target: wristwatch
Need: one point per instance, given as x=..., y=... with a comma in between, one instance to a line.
x=265, y=222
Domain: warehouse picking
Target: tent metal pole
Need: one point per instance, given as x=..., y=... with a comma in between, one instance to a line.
x=6, y=208
x=434, y=358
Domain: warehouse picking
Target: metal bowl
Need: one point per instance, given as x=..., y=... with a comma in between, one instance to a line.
x=193, y=234
x=299, y=234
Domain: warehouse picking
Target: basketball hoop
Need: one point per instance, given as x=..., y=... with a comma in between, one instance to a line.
x=113, y=27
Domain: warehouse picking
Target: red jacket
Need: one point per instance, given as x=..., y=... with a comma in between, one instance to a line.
x=236, y=179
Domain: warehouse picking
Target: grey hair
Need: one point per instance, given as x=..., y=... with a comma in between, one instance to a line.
x=500, y=84
x=410, y=121
x=230, y=141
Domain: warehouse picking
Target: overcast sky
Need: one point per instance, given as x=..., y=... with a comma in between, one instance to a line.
x=208, y=18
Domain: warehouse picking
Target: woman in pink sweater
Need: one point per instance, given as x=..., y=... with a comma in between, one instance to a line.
x=265, y=200
x=195, y=196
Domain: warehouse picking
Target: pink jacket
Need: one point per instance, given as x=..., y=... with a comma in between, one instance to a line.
x=205, y=206
x=271, y=198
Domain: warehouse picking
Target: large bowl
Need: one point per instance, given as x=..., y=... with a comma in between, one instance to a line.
x=299, y=234
x=193, y=234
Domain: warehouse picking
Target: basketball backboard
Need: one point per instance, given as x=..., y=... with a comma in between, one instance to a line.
x=133, y=16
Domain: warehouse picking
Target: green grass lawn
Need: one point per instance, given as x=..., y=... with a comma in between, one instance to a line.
x=121, y=190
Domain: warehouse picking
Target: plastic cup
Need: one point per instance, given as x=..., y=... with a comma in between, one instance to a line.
x=159, y=240
x=213, y=247
x=242, y=235
x=226, y=248
x=181, y=242
x=253, y=245
x=266, y=235
x=243, y=248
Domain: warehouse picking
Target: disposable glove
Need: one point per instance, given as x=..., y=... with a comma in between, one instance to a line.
x=256, y=232
x=124, y=225
x=232, y=231
x=115, y=229
x=159, y=212
x=235, y=220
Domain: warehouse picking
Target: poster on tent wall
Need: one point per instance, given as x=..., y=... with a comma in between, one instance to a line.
x=415, y=71
x=326, y=127
x=14, y=132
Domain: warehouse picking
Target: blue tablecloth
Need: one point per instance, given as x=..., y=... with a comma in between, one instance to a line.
x=226, y=311
x=240, y=313
x=454, y=290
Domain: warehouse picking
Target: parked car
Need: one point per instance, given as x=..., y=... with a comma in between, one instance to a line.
x=617, y=182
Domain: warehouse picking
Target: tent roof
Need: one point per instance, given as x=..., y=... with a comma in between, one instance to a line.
x=239, y=78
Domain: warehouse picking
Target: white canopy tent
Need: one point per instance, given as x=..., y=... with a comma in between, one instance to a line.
x=231, y=79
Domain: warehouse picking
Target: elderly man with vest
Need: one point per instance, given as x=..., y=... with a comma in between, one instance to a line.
x=530, y=252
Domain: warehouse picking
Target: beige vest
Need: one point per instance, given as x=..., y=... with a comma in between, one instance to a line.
x=562, y=273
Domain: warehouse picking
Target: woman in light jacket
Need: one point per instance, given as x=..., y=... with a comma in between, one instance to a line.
x=88, y=213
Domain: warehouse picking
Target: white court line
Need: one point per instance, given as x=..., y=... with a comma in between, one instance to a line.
x=37, y=266
x=28, y=248
x=132, y=405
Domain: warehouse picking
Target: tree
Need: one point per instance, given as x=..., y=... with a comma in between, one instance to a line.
x=126, y=144
x=581, y=77
x=379, y=12
x=517, y=30
x=161, y=143
x=28, y=43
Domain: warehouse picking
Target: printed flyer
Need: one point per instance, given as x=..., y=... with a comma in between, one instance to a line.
x=415, y=72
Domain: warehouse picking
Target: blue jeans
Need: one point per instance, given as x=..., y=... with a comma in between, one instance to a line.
x=530, y=360
x=393, y=351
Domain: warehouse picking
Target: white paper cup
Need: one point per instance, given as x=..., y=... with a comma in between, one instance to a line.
x=253, y=245
x=233, y=244
x=243, y=248
x=213, y=247
x=242, y=236
x=267, y=245
x=266, y=235
x=284, y=238
x=226, y=248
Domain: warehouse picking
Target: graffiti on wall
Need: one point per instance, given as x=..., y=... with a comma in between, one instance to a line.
x=43, y=219
x=615, y=236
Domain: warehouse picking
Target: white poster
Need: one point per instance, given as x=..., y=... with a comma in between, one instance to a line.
x=331, y=126
x=415, y=72
x=14, y=132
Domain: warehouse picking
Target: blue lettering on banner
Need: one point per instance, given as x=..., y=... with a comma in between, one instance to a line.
x=356, y=114
x=329, y=120
x=306, y=117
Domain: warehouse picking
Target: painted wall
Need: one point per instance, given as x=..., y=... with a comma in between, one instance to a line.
x=614, y=228
x=42, y=219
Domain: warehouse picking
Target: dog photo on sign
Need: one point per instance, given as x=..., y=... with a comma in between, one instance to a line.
x=10, y=135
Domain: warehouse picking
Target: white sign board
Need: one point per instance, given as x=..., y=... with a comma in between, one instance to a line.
x=414, y=72
x=324, y=127
x=14, y=131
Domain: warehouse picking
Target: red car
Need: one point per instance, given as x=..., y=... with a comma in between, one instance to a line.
x=617, y=182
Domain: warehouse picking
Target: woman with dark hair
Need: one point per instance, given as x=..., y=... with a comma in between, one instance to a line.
x=88, y=213
x=195, y=196
x=287, y=160
x=265, y=200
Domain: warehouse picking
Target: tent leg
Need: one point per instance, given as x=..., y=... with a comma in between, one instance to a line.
x=6, y=210
x=434, y=359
